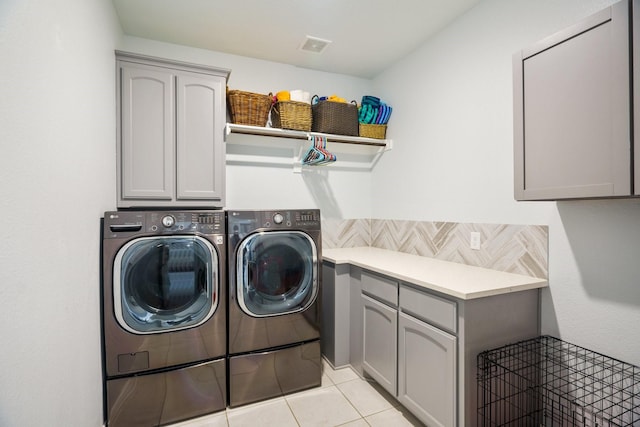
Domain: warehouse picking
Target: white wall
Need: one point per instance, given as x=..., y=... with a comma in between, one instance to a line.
x=339, y=194
x=57, y=174
x=452, y=161
x=57, y=177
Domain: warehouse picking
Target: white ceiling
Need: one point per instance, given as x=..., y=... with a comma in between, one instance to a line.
x=367, y=35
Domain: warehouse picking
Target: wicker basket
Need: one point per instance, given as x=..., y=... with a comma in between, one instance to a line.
x=249, y=108
x=373, y=131
x=338, y=118
x=291, y=115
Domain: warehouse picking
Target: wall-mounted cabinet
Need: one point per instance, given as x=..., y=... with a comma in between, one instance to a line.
x=170, y=144
x=281, y=147
x=572, y=111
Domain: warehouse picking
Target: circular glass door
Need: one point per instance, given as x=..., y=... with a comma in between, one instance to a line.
x=165, y=283
x=276, y=273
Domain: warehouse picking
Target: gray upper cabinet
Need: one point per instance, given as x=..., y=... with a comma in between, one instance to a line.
x=170, y=147
x=572, y=111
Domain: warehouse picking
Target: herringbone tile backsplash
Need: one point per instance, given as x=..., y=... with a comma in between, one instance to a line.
x=521, y=249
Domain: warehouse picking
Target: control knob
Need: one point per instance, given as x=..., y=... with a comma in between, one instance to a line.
x=168, y=221
x=278, y=218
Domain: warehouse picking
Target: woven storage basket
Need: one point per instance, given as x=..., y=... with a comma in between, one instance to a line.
x=291, y=115
x=338, y=118
x=373, y=131
x=249, y=108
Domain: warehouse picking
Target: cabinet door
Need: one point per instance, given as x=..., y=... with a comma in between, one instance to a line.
x=380, y=328
x=572, y=111
x=200, y=145
x=147, y=132
x=427, y=372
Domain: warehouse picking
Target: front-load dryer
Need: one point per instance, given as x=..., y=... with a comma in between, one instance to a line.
x=274, y=303
x=164, y=315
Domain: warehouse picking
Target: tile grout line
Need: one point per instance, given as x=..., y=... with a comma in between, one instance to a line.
x=291, y=410
x=351, y=403
x=394, y=405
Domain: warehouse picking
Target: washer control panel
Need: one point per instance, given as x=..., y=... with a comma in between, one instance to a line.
x=206, y=222
x=129, y=222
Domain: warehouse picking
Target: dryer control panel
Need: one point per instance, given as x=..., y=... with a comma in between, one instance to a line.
x=308, y=219
x=241, y=222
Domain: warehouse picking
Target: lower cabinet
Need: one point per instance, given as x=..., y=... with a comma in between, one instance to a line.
x=380, y=331
x=410, y=358
x=426, y=371
x=420, y=345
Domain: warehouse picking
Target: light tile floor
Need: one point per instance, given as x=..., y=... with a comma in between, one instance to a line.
x=343, y=399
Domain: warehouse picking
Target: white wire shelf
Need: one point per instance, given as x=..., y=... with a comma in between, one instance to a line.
x=283, y=147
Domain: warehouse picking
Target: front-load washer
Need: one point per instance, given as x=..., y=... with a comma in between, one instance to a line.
x=274, y=304
x=163, y=315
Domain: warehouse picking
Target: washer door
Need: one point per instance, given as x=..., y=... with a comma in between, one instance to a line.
x=165, y=283
x=276, y=273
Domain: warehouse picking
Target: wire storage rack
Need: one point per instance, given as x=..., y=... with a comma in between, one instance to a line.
x=545, y=381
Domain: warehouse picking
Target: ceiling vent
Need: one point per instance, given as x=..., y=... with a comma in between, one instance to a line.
x=314, y=44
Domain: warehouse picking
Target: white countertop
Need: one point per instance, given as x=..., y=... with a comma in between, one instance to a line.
x=457, y=280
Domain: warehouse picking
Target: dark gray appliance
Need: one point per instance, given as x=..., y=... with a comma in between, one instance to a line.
x=164, y=315
x=274, y=304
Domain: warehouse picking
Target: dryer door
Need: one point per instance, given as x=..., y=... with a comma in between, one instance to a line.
x=165, y=283
x=277, y=273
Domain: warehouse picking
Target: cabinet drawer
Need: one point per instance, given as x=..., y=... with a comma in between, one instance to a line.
x=430, y=308
x=380, y=287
